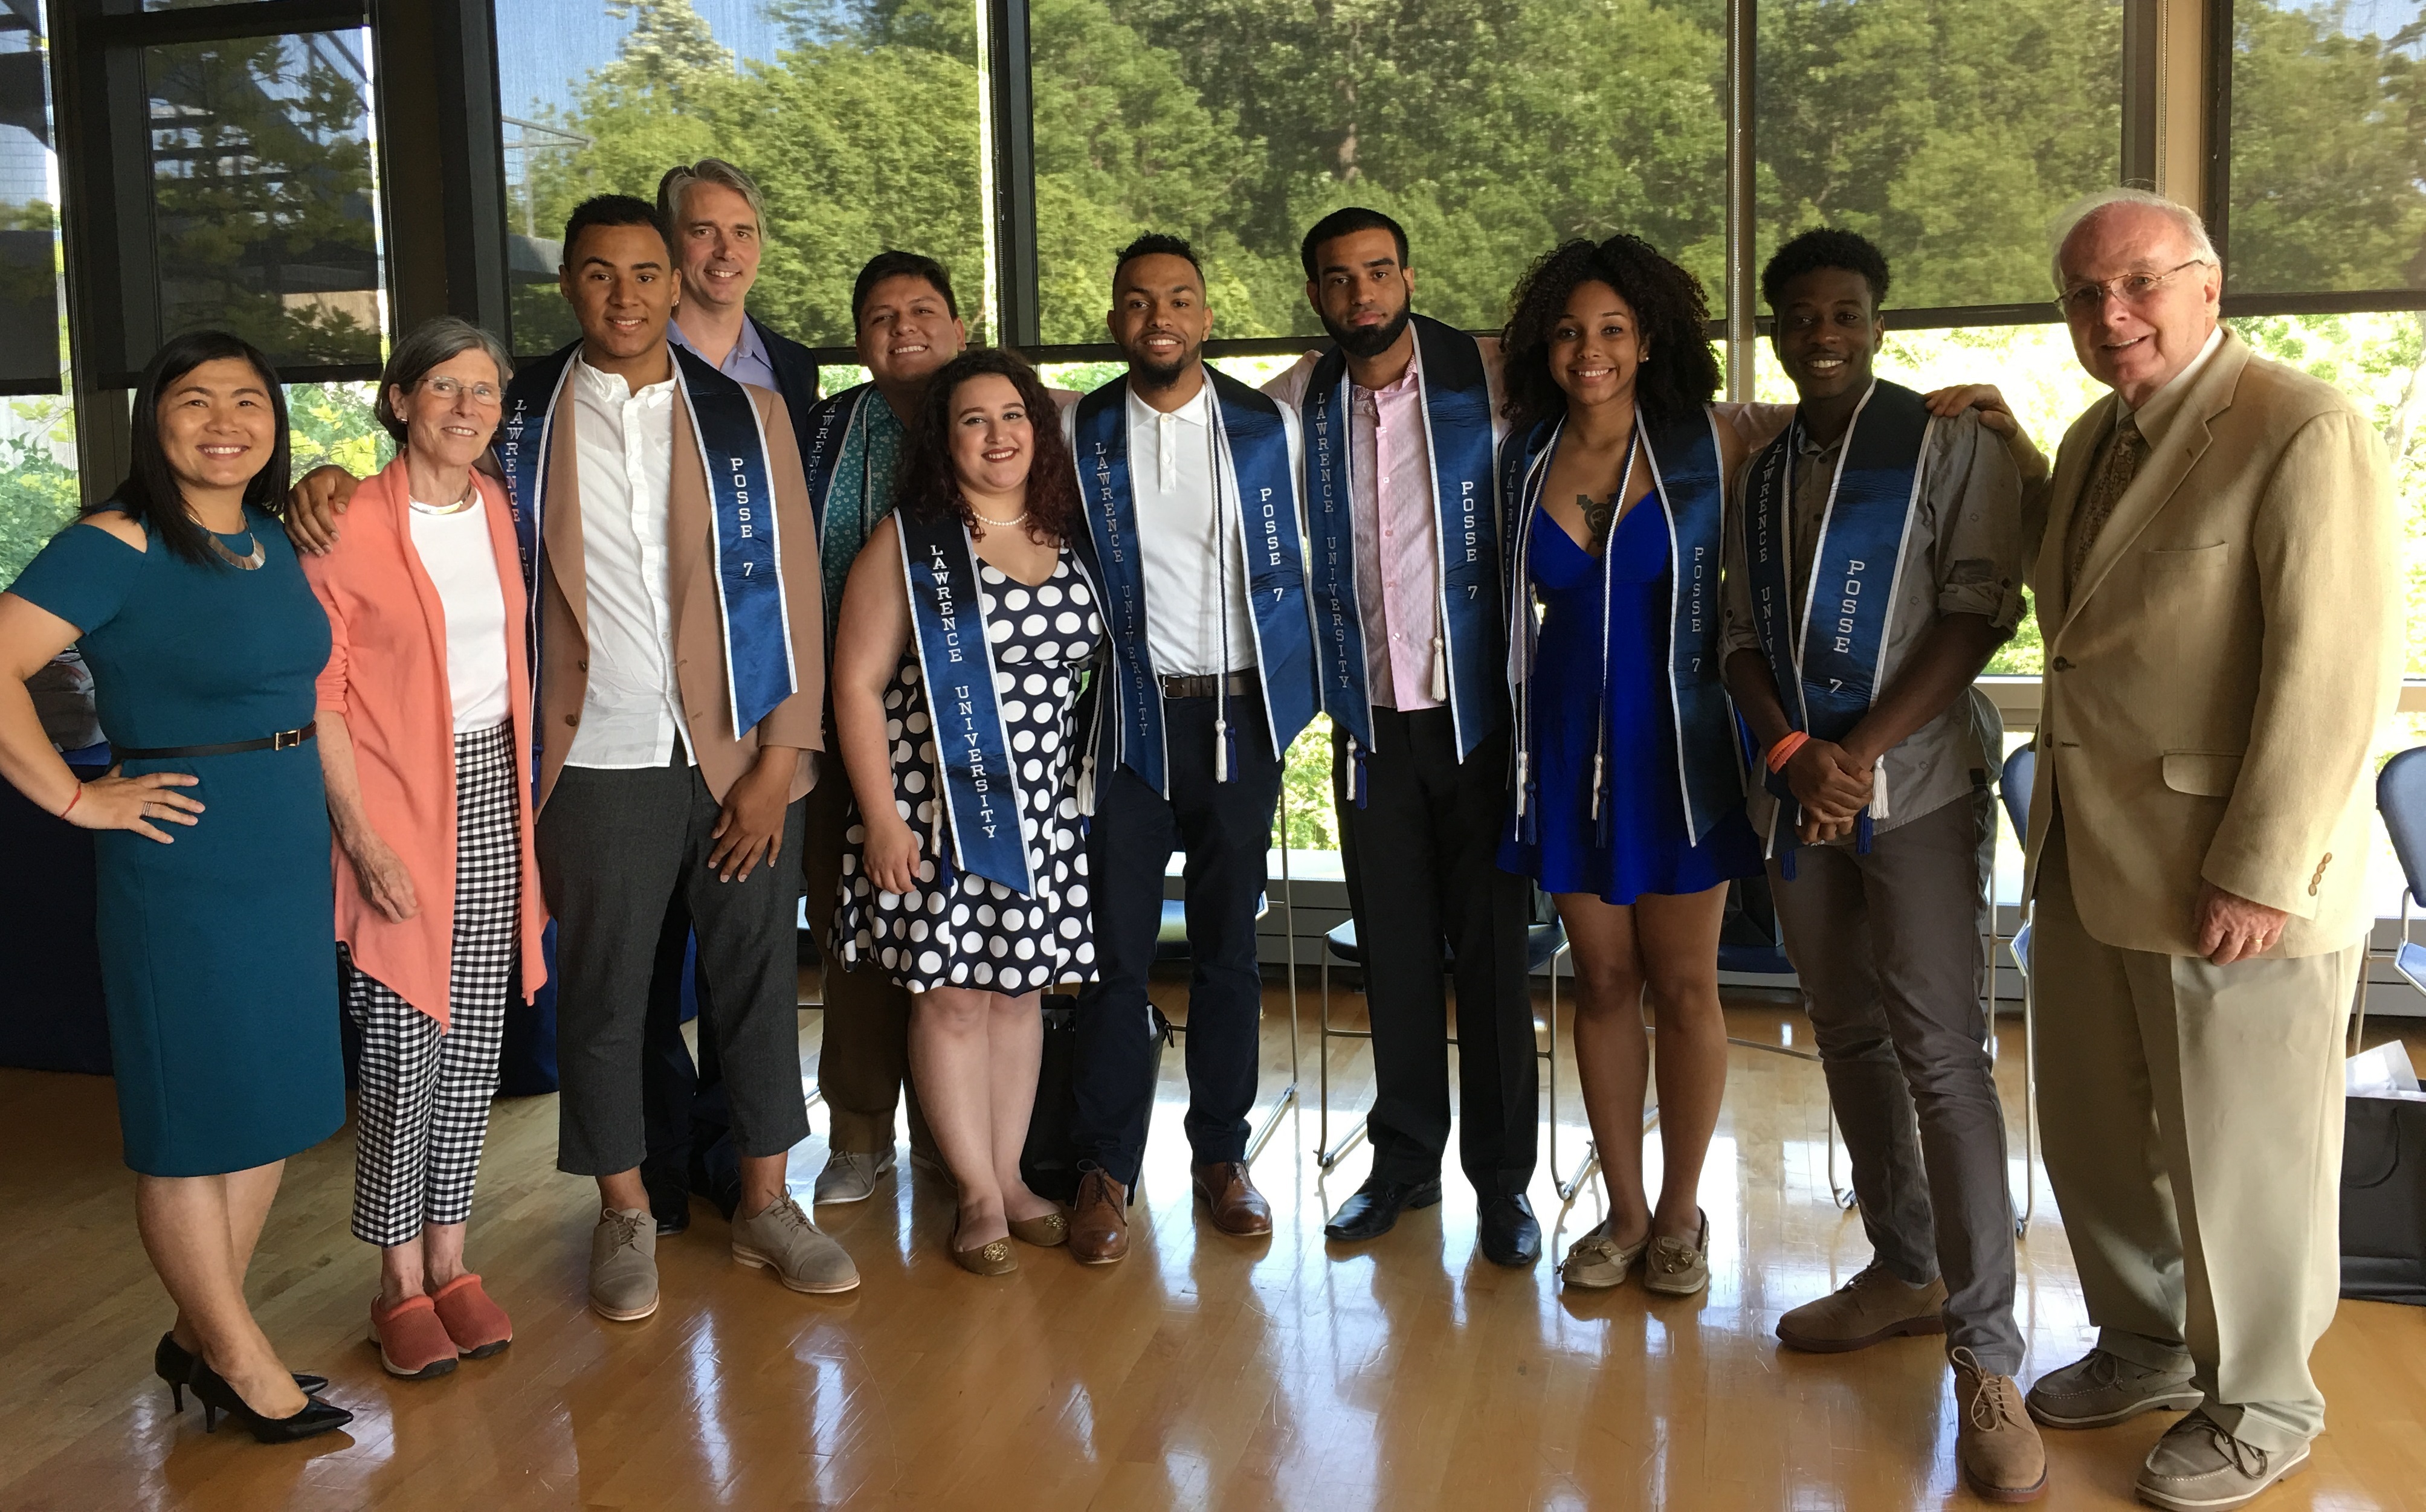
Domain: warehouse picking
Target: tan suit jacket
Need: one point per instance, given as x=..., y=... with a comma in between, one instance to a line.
x=699, y=634
x=2214, y=684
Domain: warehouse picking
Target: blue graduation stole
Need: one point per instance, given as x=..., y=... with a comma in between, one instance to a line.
x=1826, y=658
x=1456, y=405
x=758, y=666
x=981, y=796
x=1689, y=487
x=1251, y=448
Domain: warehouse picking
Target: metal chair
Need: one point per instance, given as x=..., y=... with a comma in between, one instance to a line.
x=2401, y=801
x=1545, y=944
x=2013, y=785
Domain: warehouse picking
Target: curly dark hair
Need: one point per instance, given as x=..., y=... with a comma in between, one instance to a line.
x=927, y=484
x=1825, y=246
x=1671, y=314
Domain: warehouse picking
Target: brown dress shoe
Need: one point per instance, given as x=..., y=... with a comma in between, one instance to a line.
x=1237, y=1207
x=1996, y=1444
x=1099, y=1220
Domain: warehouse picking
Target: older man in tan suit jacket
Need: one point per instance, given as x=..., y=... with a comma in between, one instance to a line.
x=2216, y=583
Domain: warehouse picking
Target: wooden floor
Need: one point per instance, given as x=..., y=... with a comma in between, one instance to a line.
x=1202, y=1371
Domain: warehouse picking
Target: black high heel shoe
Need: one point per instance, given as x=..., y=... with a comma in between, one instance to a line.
x=217, y=1396
x=174, y=1364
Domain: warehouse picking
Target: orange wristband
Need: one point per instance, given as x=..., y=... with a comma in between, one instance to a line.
x=1787, y=744
x=73, y=801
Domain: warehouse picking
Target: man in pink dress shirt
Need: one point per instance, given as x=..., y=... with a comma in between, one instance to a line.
x=1400, y=419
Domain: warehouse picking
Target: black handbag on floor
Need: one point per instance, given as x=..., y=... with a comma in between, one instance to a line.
x=1049, y=1161
x=2384, y=1200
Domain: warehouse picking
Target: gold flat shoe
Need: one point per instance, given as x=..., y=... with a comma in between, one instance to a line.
x=1044, y=1233
x=993, y=1258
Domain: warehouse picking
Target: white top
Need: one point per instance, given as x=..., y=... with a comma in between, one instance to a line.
x=456, y=551
x=2156, y=417
x=631, y=710
x=1184, y=548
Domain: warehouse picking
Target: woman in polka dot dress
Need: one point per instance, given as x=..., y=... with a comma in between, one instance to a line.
x=967, y=876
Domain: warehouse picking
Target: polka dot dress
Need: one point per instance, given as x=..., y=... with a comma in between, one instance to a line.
x=979, y=933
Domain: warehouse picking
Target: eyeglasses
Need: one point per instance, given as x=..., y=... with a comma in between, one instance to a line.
x=451, y=390
x=2084, y=299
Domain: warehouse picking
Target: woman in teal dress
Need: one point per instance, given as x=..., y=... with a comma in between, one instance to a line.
x=214, y=910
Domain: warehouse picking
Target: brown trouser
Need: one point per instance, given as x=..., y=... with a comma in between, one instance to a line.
x=864, y=1058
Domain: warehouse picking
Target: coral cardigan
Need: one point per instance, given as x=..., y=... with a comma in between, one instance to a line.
x=387, y=636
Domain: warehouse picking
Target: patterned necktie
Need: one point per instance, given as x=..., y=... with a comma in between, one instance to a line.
x=2115, y=470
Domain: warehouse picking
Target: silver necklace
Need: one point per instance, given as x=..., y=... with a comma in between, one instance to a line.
x=246, y=563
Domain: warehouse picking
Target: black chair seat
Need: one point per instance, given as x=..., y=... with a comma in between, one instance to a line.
x=1542, y=941
x=1171, y=940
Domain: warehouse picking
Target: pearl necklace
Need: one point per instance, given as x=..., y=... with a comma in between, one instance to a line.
x=992, y=521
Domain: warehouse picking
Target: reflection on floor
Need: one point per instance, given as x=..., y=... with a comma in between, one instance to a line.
x=1202, y=1371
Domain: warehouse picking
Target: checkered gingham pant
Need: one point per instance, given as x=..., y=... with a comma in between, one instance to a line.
x=423, y=1113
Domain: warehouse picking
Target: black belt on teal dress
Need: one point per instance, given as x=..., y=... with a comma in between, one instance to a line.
x=284, y=740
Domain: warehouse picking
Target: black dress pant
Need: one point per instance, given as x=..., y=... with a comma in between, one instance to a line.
x=1225, y=827
x=683, y=1107
x=1422, y=858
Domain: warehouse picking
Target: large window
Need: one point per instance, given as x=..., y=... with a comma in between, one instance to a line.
x=859, y=120
x=1949, y=132
x=37, y=479
x=264, y=216
x=1492, y=130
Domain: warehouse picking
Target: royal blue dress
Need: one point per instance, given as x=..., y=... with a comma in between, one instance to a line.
x=218, y=951
x=1649, y=850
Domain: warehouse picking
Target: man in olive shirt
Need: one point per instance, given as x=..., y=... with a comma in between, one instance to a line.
x=1877, y=808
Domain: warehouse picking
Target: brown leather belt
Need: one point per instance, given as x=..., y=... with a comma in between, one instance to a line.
x=284, y=740
x=1205, y=685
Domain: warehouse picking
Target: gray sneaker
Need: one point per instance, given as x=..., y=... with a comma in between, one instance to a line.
x=783, y=1238
x=850, y=1178
x=2099, y=1389
x=2197, y=1467
x=623, y=1264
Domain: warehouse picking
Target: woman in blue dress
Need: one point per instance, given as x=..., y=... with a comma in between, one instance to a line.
x=1629, y=808
x=215, y=911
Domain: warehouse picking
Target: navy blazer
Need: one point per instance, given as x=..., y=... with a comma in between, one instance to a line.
x=796, y=377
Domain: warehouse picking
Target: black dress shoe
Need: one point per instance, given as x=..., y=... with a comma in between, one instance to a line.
x=1375, y=1208
x=219, y=1397
x=174, y=1364
x=669, y=1202
x=1507, y=1231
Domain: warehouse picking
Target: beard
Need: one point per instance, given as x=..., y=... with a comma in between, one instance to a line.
x=1159, y=375
x=1370, y=341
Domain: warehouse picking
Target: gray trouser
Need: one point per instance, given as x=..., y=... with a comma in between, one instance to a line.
x=613, y=848
x=1888, y=947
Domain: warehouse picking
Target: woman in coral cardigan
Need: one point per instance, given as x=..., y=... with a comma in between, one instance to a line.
x=424, y=719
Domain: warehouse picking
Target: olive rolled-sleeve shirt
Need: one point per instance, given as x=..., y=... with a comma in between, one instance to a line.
x=1963, y=555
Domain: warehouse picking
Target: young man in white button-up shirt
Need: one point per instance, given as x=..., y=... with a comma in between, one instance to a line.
x=1205, y=693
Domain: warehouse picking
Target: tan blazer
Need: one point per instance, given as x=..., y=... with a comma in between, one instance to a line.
x=2214, y=685
x=699, y=635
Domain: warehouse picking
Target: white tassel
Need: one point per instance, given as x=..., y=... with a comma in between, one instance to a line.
x=1440, y=668
x=1220, y=750
x=1879, y=789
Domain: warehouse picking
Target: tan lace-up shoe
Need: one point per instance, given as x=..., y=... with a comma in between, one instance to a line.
x=2198, y=1467
x=783, y=1238
x=2099, y=1389
x=1872, y=1307
x=623, y=1264
x=1995, y=1442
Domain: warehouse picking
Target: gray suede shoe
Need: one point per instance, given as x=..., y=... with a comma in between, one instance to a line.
x=2099, y=1389
x=783, y=1240
x=623, y=1264
x=849, y=1177
x=2197, y=1467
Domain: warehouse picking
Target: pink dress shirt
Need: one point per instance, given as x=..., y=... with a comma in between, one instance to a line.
x=1398, y=561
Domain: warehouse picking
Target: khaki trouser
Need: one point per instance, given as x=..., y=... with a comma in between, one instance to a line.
x=864, y=1061
x=2192, y=1118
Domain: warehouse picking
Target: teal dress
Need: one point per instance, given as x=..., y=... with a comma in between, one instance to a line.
x=218, y=954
